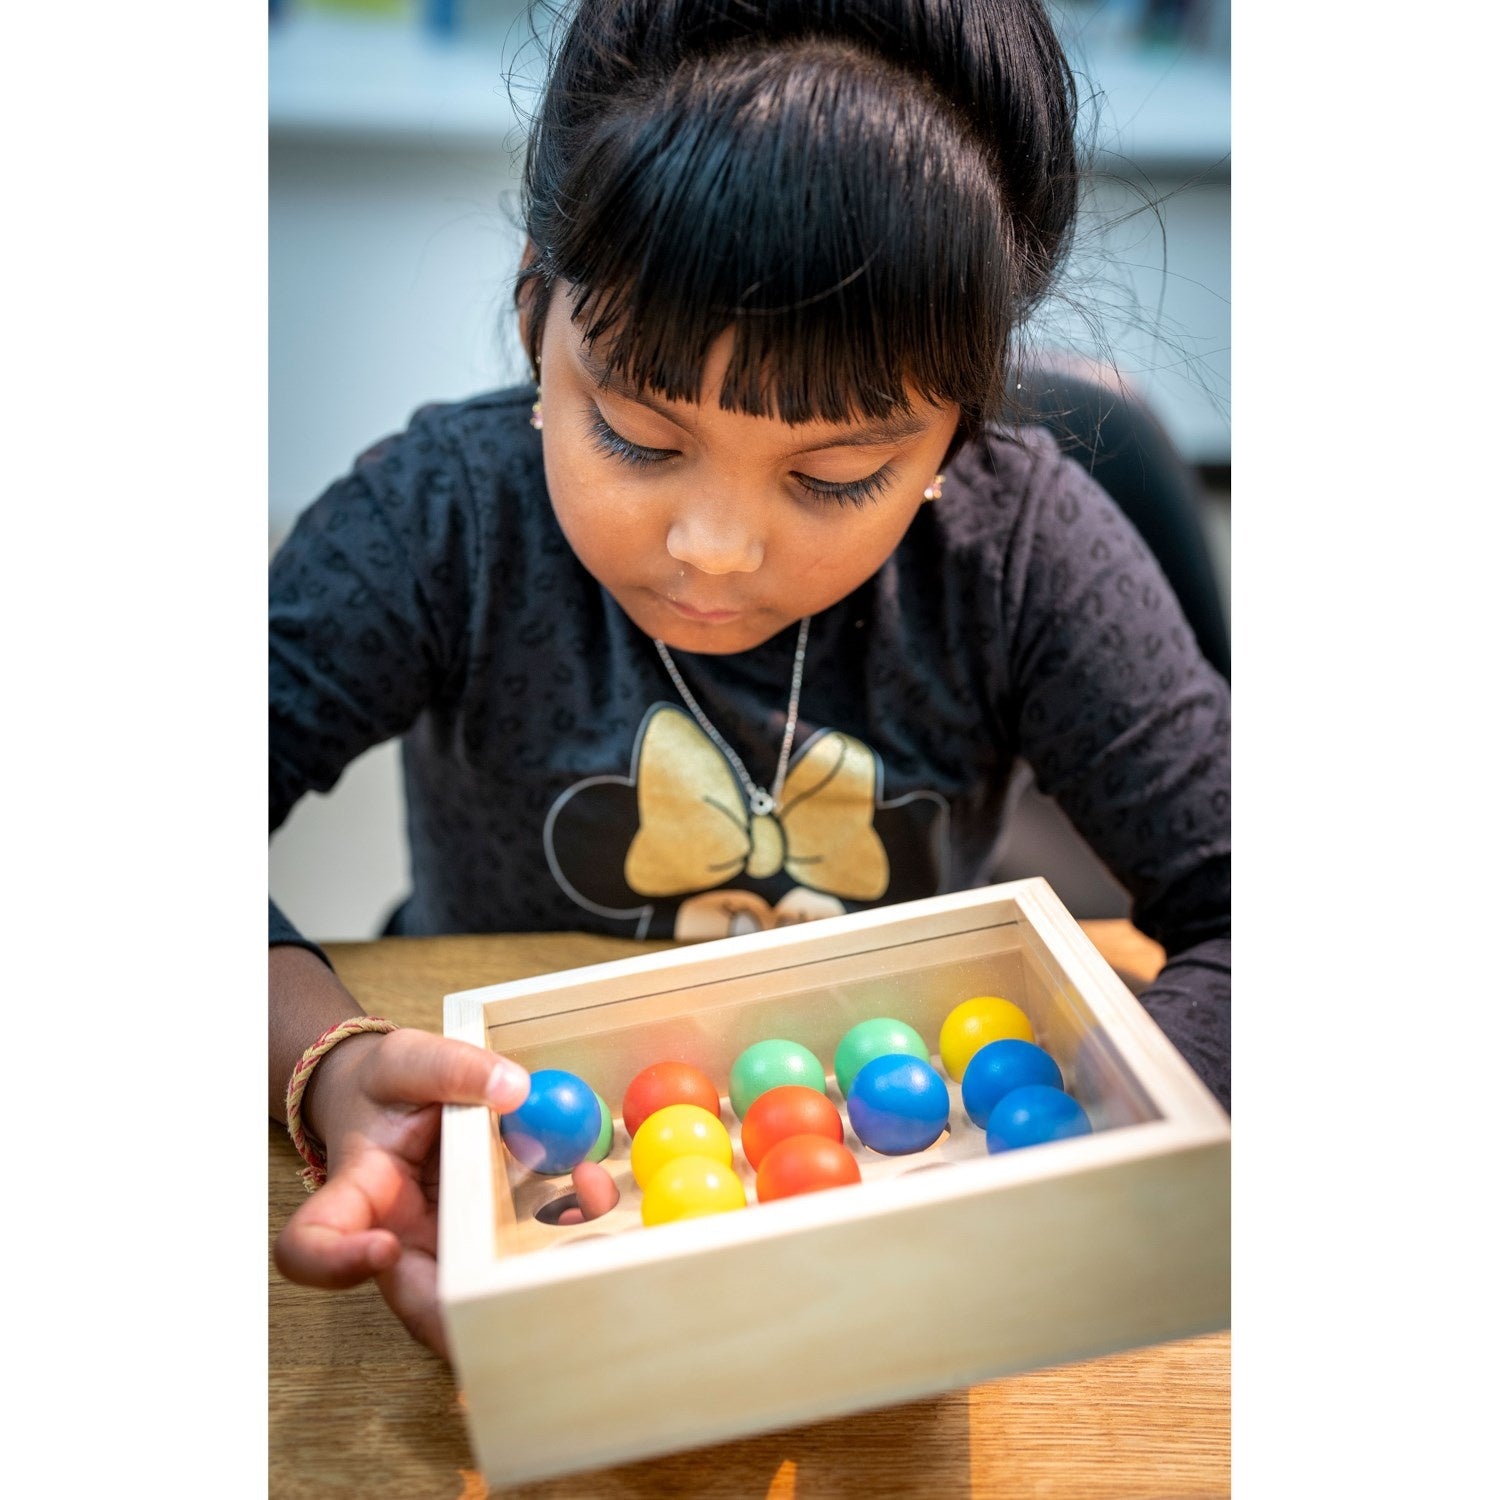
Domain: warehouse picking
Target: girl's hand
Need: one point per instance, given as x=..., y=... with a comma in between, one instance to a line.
x=376, y=1101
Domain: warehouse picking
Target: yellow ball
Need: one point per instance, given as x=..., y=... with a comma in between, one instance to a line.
x=677, y=1130
x=970, y=1026
x=687, y=1187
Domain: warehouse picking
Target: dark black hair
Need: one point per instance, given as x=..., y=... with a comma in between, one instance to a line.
x=871, y=193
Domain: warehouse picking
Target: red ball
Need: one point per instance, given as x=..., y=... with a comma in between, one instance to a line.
x=667, y=1083
x=804, y=1164
x=787, y=1110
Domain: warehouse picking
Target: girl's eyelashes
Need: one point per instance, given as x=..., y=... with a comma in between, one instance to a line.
x=612, y=445
x=847, y=492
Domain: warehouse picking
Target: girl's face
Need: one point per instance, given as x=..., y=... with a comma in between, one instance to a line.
x=715, y=530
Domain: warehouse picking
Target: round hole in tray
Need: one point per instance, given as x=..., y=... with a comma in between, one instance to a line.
x=553, y=1209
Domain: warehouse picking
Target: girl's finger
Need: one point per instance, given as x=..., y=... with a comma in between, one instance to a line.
x=338, y=1237
x=314, y=1254
x=409, y=1287
x=416, y=1067
x=595, y=1189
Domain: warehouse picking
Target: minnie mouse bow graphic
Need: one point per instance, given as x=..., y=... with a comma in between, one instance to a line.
x=696, y=830
x=680, y=827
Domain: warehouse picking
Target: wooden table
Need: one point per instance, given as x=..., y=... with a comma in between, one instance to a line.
x=358, y=1409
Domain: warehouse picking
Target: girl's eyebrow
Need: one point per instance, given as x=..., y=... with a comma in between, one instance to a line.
x=878, y=432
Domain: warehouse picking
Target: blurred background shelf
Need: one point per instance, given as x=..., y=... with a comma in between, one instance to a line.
x=382, y=76
x=341, y=77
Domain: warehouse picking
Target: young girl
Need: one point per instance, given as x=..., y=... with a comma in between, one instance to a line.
x=744, y=614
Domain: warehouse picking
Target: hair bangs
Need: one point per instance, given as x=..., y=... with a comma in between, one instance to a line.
x=827, y=208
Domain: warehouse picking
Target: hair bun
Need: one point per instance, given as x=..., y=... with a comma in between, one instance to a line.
x=644, y=188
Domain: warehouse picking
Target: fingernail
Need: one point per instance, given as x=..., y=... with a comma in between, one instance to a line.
x=508, y=1087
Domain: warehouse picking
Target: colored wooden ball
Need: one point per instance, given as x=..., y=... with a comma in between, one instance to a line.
x=999, y=1067
x=898, y=1104
x=556, y=1126
x=788, y=1110
x=677, y=1130
x=1033, y=1114
x=688, y=1187
x=768, y=1065
x=804, y=1164
x=879, y=1037
x=967, y=1027
x=665, y=1083
x=605, y=1141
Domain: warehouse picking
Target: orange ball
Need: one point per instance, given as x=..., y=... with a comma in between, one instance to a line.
x=667, y=1083
x=804, y=1164
x=787, y=1110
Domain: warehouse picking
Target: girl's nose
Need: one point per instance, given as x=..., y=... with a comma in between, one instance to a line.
x=714, y=539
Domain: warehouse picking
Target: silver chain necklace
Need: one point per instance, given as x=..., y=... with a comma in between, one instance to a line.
x=761, y=801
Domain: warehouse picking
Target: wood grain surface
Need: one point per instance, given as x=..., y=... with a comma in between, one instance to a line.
x=358, y=1409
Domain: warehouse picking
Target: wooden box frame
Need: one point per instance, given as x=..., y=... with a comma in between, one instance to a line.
x=596, y=1344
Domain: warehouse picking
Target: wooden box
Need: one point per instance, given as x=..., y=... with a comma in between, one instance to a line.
x=592, y=1344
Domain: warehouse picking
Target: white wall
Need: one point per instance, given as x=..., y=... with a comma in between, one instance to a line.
x=390, y=275
x=390, y=271
x=1147, y=290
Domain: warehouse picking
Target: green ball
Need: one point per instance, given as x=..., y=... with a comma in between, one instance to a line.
x=768, y=1065
x=601, y=1147
x=871, y=1039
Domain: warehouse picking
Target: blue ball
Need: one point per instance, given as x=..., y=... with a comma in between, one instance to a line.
x=898, y=1104
x=556, y=1127
x=999, y=1067
x=1033, y=1114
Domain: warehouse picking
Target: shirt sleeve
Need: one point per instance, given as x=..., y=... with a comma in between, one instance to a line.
x=1128, y=727
x=368, y=599
x=283, y=933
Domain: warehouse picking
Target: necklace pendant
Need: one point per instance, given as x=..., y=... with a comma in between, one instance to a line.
x=762, y=803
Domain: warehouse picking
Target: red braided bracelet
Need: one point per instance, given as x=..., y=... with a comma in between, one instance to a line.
x=315, y=1173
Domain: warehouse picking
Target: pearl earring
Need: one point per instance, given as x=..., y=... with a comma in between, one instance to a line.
x=934, y=491
x=536, y=412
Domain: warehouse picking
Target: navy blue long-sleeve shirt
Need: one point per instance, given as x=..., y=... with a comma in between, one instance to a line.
x=555, y=781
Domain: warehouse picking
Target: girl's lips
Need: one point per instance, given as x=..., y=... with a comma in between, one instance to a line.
x=703, y=616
